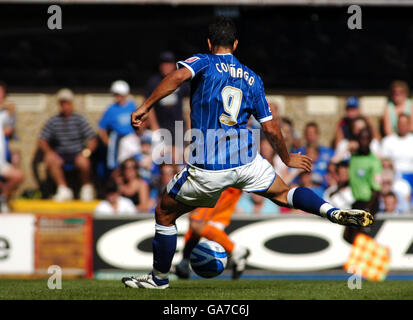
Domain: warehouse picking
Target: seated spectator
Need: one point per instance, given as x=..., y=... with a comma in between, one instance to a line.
x=133, y=187
x=340, y=195
x=399, y=147
x=390, y=203
x=148, y=168
x=399, y=185
x=388, y=186
x=399, y=103
x=346, y=146
x=292, y=142
x=115, y=122
x=114, y=203
x=9, y=127
x=68, y=139
x=343, y=130
x=11, y=175
x=321, y=155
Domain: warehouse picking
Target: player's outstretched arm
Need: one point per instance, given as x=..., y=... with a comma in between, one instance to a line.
x=168, y=85
x=294, y=160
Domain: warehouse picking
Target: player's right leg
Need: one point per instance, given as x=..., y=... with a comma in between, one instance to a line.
x=305, y=199
x=164, y=244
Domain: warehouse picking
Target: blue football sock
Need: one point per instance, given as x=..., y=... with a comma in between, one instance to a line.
x=164, y=247
x=305, y=199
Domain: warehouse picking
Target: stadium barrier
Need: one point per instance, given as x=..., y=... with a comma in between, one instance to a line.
x=284, y=243
x=30, y=243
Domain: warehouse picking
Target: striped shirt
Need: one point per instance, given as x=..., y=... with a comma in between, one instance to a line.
x=67, y=135
x=224, y=94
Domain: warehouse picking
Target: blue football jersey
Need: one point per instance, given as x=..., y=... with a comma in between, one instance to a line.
x=224, y=94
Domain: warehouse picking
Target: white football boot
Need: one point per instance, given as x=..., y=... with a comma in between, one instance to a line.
x=352, y=217
x=145, y=281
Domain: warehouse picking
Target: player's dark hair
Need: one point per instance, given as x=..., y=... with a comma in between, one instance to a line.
x=222, y=32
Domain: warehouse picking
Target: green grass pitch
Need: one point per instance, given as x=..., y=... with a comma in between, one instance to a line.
x=82, y=289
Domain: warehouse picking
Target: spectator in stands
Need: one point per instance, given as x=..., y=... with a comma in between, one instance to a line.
x=344, y=125
x=399, y=103
x=343, y=130
x=388, y=185
x=390, y=202
x=68, y=139
x=133, y=187
x=347, y=146
x=11, y=175
x=340, y=195
x=9, y=127
x=115, y=122
x=148, y=169
x=170, y=109
x=114, y=203
x=399, y=147
x=399, y=185
x=321, y=155
x=292, y=142
x=365, y=174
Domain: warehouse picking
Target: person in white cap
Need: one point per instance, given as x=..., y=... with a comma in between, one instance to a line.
x=68, y=139
x=115, y=122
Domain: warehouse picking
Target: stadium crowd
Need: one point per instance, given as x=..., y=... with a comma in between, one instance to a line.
x=363, y=167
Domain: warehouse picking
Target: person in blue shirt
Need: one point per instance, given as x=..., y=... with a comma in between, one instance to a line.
x=115, y=122
x=322, y=154
x=224, y=94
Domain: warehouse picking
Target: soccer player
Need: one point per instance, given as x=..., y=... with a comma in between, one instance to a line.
x=224, y=94
x=210, y=223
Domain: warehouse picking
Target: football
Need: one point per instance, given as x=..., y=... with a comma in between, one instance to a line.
x=208, y=259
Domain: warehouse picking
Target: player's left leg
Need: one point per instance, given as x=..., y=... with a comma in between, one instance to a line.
x=305, y=199
x=164, y=244
x=259, y=177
